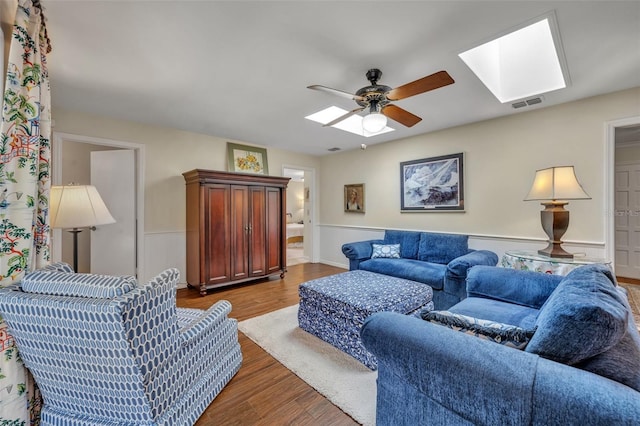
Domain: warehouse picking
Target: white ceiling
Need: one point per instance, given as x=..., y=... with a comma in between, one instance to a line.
x=239, y=69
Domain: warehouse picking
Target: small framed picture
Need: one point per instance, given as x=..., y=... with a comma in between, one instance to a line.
x=247, y=159
x=432, y=184
x=354, y=198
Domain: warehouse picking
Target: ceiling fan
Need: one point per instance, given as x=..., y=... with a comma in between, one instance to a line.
x=378, y=98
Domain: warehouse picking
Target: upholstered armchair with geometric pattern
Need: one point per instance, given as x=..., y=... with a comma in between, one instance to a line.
x=104, y=350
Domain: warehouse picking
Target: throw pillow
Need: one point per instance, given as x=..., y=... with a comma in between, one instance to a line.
x=504, y=334
x=391, y=251
x=583, y=317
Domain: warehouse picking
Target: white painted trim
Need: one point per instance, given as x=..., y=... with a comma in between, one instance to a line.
x=58, y=138
x=599, y=244
x=609, y=182
x=333, y=237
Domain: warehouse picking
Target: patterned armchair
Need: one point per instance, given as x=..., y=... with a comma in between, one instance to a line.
x=104, y=350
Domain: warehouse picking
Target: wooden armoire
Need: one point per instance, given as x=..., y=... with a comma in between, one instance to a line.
x=236, y=227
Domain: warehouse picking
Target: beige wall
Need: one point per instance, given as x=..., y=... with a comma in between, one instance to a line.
x=501, y=156
x=169, y=153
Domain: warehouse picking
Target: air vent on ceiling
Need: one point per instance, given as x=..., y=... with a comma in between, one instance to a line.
x=333, y=149
x=528, y=102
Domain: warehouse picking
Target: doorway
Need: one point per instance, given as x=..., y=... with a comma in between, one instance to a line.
x=623, y=214
x=72, y=163
x=300, y=214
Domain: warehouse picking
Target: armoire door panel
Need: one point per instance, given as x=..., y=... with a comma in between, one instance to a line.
x=257, y=237
x=273, y=231
x=239, y=232
x=217, y=244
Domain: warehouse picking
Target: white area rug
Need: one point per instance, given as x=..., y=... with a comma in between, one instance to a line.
x=340, y=378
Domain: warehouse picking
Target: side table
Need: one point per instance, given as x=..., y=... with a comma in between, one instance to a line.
x=532, y=261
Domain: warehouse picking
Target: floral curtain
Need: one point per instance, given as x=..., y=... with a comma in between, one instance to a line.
x=25, y=151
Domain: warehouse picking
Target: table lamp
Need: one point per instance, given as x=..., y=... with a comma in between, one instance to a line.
x=554, y=186
x=77, y=206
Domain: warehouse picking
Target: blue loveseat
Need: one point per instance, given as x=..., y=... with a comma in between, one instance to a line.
x=439, y=260
x=580, y=367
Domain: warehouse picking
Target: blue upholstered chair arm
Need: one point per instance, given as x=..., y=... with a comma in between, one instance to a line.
x=358, y=251
x=206, y=320
x=525, y=288
x=460, y=265
x=431, y=374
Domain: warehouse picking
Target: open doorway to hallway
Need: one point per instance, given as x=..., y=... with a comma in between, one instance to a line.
x=96, y=161
x=298, y=217
x=627, y=201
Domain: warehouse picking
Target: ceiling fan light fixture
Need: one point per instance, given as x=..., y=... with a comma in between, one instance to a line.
x=374, y=122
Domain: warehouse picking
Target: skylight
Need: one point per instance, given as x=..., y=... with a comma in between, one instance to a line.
x=521, y=63
x=352, y=124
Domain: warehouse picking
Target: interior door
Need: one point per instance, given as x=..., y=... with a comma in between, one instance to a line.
x=113, y=246
x=627, y=220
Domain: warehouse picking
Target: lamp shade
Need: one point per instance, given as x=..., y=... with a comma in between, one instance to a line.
x=556, y=183
x=77, y=206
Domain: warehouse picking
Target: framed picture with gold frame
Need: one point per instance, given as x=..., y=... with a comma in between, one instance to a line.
x=247, y=159
x=354, y=198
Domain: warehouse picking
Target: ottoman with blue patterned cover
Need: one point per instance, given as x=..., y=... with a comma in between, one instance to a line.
x=334, y=308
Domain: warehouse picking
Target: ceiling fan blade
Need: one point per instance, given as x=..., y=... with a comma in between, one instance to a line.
x=400, y=115
x=336, y=92
x=343, y=117
x=430, y=82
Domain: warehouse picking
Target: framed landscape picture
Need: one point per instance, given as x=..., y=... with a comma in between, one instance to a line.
x=354, y=198
x=432, y=184
x=247, y=159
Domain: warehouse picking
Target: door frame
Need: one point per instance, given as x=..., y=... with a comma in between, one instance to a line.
x=609, y=183
x=314, y=246
x=56, y=166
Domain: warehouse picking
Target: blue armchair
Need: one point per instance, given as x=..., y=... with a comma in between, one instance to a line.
x=438, y=260
x=104, y=350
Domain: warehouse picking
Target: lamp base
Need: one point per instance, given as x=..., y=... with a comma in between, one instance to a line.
x=555, y=221
x=554, y=250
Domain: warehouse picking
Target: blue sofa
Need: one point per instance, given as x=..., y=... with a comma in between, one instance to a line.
x=439, y=260
x=581, y=365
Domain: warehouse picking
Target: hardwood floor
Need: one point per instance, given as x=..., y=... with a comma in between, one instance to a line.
x=264, y=392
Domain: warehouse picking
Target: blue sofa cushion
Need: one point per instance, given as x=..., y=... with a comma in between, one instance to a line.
x=584, y=316
x=442, y=248
x=409, y=269
x=389, y=251
x=622, y=362
x=504, y=334
x=408, y=241
x=513, y=286
x=498, y=311
x=77, y=285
